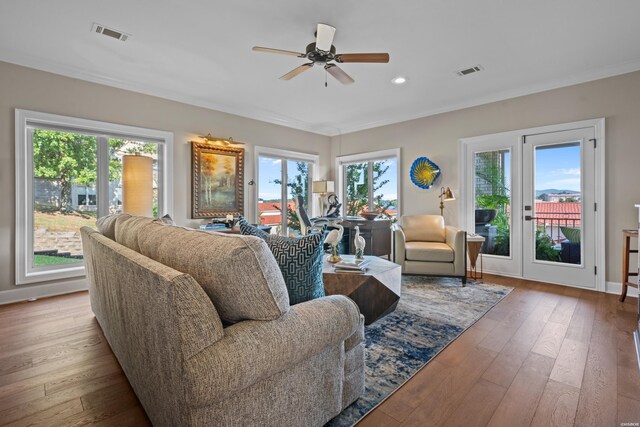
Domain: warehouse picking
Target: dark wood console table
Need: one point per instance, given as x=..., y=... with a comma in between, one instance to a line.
x=376, y=233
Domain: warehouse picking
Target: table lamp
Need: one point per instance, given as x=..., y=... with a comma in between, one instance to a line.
x=137, y=185
x=322, y=188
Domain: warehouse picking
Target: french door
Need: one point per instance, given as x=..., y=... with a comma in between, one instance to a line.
x=532, y=194
x=559, y=227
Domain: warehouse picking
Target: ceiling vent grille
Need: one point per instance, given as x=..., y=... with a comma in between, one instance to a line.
x=110, y=32
x=470, y=70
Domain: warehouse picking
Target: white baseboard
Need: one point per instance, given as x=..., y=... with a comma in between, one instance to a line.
x=611, y=287
x=41, y=291
x=616, y=288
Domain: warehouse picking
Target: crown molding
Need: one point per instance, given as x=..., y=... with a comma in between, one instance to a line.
x=588, y=76
x=53, y=67
x=29, y=61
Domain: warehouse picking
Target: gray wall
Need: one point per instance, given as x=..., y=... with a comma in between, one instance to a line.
x=616, y=98
x=31, y=89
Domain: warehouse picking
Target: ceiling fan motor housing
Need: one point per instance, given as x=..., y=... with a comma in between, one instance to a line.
x=317, y=55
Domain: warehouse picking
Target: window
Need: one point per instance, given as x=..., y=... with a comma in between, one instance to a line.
x=276, y=206
x=69, y=173
x=492, y=178
x=370, y=182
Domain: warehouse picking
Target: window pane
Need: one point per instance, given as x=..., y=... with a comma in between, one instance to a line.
x=297, y=185
x=493, y=200
x=270, y=193
x=558, y=207
x=357, y=188
x=385, y=187
x=119, y=148
x=64, y=195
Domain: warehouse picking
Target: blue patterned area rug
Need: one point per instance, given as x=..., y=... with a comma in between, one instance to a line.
x=431, y=313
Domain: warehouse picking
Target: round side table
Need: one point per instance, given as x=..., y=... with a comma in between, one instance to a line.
x=474, y=248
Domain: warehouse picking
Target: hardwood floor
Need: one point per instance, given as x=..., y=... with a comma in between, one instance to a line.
x=545, y=355
x=56, y=368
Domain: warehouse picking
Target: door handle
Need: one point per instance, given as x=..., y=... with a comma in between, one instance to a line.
x=529, y=217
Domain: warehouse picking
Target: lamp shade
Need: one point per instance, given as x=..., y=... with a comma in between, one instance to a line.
x=448, y=195
x=323, y=187
x=137, y=185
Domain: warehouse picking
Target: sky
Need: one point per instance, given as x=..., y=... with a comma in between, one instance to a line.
x=558, y=168
x=271, y=169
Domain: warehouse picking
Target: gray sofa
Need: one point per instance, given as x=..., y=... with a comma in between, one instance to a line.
x=202, y=327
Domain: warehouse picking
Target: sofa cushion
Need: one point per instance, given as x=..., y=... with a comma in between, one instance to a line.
x=423, y=228
x=238, y=273
x=299, y=259
x=106, y=225
x=429, y=251
x=128, y=228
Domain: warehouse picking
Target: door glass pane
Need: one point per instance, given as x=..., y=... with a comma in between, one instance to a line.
x=357, y=188
x=558, y=207
x=270, y=193
x=493, y=201
x=297, y=185
x=119, y=148
x=64, y=195
x=385, y=187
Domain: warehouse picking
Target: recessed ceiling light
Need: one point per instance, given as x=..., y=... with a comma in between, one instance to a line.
x=398, y=80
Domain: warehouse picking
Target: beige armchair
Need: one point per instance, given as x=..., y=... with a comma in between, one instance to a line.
x=422, y=244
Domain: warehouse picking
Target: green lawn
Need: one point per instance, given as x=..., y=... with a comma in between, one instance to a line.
x=39, y=260
x=56, y=221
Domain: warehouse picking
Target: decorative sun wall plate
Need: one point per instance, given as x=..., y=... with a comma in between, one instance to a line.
x=424, y=172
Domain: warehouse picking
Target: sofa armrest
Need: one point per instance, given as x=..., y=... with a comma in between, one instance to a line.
x=398, y=238
x=457, y=240
x=254, y=350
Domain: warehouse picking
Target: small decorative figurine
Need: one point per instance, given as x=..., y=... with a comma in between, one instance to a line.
x=333, y=239
x=359, y=243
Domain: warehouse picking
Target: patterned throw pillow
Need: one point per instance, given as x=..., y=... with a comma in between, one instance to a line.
x=299, y=259
x=166, y=220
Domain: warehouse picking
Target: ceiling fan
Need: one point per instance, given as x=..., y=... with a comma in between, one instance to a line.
x=323, y=52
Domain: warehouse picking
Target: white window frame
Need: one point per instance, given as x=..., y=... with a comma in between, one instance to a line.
x=284, y=155
x=25, y=121
x=372, y=156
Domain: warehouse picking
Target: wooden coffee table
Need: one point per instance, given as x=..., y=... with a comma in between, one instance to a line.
x=376, y=292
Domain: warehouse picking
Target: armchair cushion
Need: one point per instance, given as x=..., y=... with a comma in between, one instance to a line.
x=423, y=228
x=429, y=252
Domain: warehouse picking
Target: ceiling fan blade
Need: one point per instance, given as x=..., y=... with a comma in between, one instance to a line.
x=339, y=74
x=363, y=57
x=298, y=70
x=324, y=37
x=280, y=51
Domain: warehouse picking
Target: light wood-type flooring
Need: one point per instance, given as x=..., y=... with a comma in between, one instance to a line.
x=545, y=355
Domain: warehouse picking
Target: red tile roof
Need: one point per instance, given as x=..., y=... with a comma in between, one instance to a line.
x=563, y=213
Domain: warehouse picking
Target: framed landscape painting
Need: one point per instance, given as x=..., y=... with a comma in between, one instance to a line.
x=217, y=180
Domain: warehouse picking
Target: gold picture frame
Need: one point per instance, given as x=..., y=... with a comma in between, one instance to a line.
x=217, y=180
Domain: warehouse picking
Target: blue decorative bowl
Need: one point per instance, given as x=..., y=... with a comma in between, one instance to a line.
x=424, y=172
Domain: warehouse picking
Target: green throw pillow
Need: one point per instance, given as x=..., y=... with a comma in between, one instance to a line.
x=299, y=259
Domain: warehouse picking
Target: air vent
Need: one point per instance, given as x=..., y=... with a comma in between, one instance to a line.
x=110, y=32
x=470, y=70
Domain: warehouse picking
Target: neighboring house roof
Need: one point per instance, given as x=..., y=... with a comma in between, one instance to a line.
x=269, y=212
x=566, y=213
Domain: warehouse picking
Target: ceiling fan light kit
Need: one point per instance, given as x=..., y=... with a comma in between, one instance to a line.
x=323, y=52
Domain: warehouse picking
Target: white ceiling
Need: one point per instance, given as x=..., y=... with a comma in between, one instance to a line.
x=199, y=52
